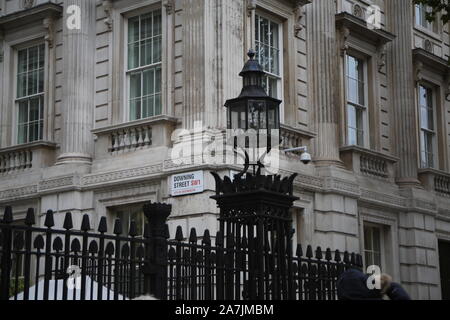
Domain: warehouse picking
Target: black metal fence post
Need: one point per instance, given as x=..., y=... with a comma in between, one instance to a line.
x=6, y=253
x=157, y=214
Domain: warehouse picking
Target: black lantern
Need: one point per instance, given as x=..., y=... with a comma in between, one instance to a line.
x=254, y=109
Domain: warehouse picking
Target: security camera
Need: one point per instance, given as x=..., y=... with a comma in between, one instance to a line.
x=305, y=158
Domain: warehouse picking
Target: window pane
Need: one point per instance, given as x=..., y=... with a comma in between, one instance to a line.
x=146, y=52
x=369, y=260
x=33, y=58
x=135, y=85
x=148, y=105
x=34, y=131
x=157, y=49
x=22, y=57
x=22, y=134
x=33, y=82
x=23, y=112
x=158, y=105
x=158, y=80
x=133, y=55
x=133, y=29
x=41, y=56
x=21, y=85
x=149, y=82
x=135, y=109
x=367, y=238
x=376, y=240
x=157, y=23
x=146, y=26
x=34, y=109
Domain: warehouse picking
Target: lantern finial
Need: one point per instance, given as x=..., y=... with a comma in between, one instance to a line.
x=251, y=54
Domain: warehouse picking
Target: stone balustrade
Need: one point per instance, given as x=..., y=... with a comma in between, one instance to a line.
x=435, y=181
x=21, y=158
x=368, y=163
x=133, y=136
x=130, y=139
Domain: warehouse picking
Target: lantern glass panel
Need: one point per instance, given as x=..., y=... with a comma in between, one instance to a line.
x=273, y=116
x=256, y=114
x=237, y=116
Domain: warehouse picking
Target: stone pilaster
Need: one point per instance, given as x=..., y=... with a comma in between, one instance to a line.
x=78, y=82
x=213, y=57
x=400, y=20
x=322, y=59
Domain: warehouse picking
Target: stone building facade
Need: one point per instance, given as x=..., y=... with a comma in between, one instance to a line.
x=91, y=92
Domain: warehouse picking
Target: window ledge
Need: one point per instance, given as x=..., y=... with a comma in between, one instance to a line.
x=435, y=181
x=28, y=156
x=431, y=61
x=27, y=16
x=368, y=162
x=133, y=136
x=428, y=33
x=359, y=27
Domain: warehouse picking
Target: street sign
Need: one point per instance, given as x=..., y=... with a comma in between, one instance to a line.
x=187, y=183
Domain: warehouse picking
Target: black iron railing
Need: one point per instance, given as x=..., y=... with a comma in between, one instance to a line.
x=66, y=264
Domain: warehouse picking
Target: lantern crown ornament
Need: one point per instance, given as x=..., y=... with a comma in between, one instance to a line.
x=253, y=109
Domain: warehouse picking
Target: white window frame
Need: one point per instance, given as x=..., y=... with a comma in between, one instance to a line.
x=382, y=244
x=435, y=153
x=365, y=108
x=128, y=72
x=280, y=77
x=15, y=126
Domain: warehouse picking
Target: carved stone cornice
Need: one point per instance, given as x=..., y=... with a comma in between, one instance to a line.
x=359, y=28
x=37, y=13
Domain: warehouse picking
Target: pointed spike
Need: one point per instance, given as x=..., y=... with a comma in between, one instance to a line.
x=346, y=257
x=179, y=234
x=117, y=227
x=299, y=252
x=85, y=223
x=328, y=255
x=309, y=252
x=49, y=221
x=219, y=239
x=8, y=216
x=30, y=218
x=207, y=238
x=133, y=229
x=193, y=236
x=319, y=254
x=68, y=224
x=360, y=261
x=337, y=256
x=353, y=259
x=103, y=225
